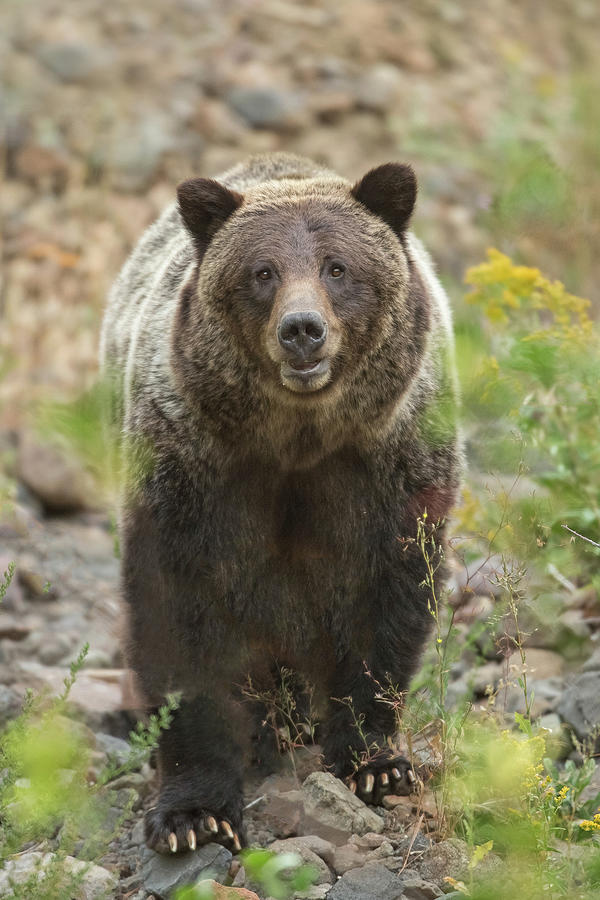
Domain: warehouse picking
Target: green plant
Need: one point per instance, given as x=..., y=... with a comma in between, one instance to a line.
x=45, y=791
x=6, y=580
x=143, y=739
x=292, y=722
x=510, y=797
x=510, y=580
x=534, y=403
x=280, y=876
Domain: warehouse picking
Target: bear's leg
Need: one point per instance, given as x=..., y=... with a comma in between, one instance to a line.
x=200, y=769
x=278, y=699
x=255, y=695
x=360, y=729
x=175, y=644
x=358, y=732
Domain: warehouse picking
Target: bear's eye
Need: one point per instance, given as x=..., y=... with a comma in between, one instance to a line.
x=264, y=274
x=337, y=270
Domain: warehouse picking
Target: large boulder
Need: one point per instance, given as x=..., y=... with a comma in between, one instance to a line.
x=579, y=706
x=374, y=882
x=163, y=874
x=329, y=801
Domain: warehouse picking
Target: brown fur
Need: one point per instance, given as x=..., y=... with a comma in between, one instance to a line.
x=273, y=524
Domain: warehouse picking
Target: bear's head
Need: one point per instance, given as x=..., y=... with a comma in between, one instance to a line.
x=311, y=277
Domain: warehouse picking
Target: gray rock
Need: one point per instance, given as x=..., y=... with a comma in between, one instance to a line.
x=549, y=690
x=579, y=706
x=413, y=844
x=449, y=857
x=137, y=833
x=547, y=693
x=551, y=722
x=114, y=747
x=591, y=791
x=239, y=879
x=137, y=148
x=265, y=107
x=330, y=802
x=592, y=664
x=574, y=623
x=97, y=882
x=379, y=87
x=369, y=841
x=374, y=882
x=479, y=678
x=21, y=868
x=131, y=781
x=313, y=850
x=124, y=798
x=163, y=874
x=36, y=586
x=99, y=659
x=71, y=62
x=360, y=851
x=54, y=648
x=13, y=627
x=314, y=892
x=543, y=664
x=299, y=846
x=414, y=848
x=59, y=482
x=558, y=738
x=10, y=704
x=452, y=857
x=568, y=632
x=416, y=888
x=324, y=849
x=349, y=857
x=281, y=815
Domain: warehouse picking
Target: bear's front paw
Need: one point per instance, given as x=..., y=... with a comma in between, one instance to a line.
x=383, y=774
x=172, y=830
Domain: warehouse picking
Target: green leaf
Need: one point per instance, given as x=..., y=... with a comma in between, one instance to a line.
x=480, y=853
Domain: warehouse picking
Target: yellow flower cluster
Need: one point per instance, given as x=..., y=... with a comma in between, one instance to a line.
x=500, y=287
x=532, y=776
x=561, y=796
x=591, y=824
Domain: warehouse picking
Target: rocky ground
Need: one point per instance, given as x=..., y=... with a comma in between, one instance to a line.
x=104, y=108
x=65, y=593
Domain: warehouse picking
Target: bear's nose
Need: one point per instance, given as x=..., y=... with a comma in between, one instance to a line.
x=302, y=332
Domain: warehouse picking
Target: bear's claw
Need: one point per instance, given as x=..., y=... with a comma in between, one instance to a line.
x=179, y=831
x=384, y=774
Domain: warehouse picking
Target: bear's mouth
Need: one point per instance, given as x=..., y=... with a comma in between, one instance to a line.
x=305, y=375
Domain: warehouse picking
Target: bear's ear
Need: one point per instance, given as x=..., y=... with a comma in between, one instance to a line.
x=204, y=205
x=389, y=192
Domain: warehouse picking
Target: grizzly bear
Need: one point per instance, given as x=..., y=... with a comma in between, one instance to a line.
x=281, y=353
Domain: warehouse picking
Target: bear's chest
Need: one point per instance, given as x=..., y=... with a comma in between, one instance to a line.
x=280, y=558
x=295, y=535
x=301, y=517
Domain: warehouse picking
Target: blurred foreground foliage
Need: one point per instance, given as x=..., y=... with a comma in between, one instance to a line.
x=505, y=794
x=53, y=800
x=531, y=367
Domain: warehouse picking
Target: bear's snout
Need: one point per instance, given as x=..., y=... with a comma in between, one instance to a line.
x=301, y=334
